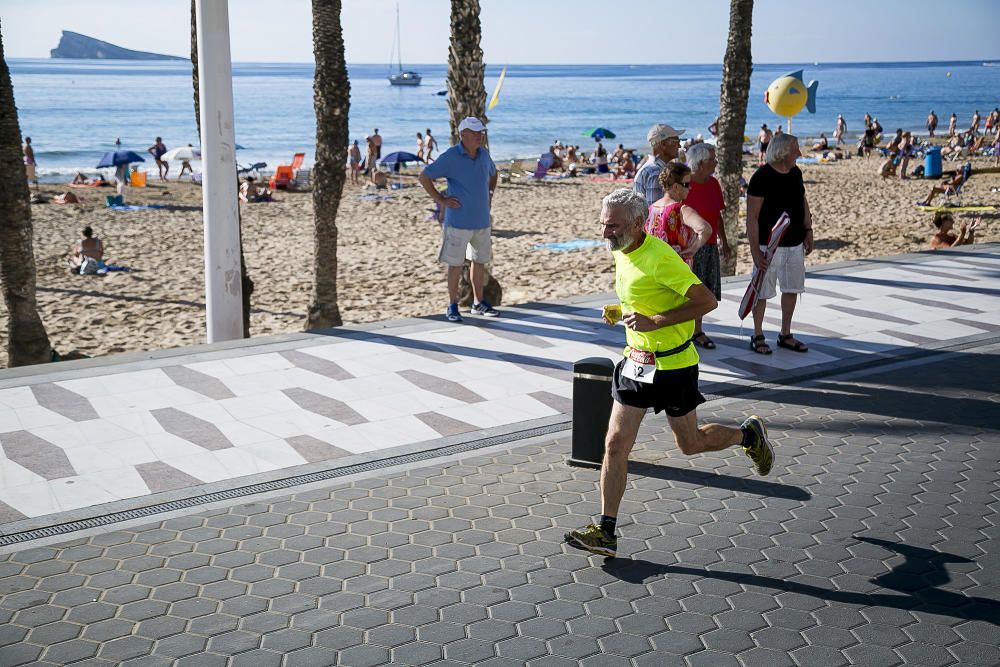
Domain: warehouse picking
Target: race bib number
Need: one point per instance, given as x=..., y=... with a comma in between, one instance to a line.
x=640, y=366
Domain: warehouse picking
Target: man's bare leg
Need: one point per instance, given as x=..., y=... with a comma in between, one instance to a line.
x=622, y=429
x=693, y=439
x=477, y=273
x=454, y=273
x=758, y=316
x=787, y=310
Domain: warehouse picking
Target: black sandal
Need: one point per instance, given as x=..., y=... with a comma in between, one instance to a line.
x=701, y=340
x=759, y=345
x=794, y=346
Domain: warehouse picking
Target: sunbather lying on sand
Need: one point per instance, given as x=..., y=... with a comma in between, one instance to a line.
x=251, y=192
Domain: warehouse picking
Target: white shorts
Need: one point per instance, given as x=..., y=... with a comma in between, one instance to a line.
x=787, y=269
x=457, y=245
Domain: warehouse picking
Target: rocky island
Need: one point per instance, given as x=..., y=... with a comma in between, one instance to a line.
x=75, y=45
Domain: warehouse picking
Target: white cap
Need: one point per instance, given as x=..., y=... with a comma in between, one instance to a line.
x=471, y=123
x=662, y=132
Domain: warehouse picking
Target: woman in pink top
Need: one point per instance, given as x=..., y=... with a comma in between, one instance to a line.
x=671, y=220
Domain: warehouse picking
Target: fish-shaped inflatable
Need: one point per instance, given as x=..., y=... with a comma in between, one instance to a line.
x=788, y=94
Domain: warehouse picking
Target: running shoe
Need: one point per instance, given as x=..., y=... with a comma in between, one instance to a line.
x=452, y=313
x=761, y=451
x=484, y=309
x=592, y=538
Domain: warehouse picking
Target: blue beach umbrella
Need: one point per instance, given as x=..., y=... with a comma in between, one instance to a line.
x=599, y=133
x=399, y=157
x=115, y=158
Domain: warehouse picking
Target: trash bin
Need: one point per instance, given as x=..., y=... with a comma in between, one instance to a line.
x=591, y=410
x=932, y=162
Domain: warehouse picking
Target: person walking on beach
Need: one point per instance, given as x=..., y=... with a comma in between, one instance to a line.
x=354, y=160
x=472, y=179
x=371, y=157
x=777, y=188
x=763, y=141
x=706, y=198
x=376, y=140
x=660, y=297
x=932, y=121
x=974, y=125
x=186, y=166
x=430, y=145
x=420, y=147
x=952, y=125
x=157, y=150
x=30, y=165
x=665, y=143
x=868, y=120
x=840, y=130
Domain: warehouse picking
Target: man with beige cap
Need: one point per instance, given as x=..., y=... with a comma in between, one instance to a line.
x=665, y=142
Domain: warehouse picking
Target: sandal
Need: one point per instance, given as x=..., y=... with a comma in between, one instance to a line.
x=701, y=340
x=794, y=345
x=759, y=345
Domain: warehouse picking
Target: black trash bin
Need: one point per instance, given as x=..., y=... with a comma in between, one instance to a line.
x=591, y=410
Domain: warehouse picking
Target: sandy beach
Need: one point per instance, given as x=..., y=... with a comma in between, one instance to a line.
x=388, y=250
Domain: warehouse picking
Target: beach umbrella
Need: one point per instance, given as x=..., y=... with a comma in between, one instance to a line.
x=398, y=157
x=116, y=158
x=182, y=154
x=599, y=133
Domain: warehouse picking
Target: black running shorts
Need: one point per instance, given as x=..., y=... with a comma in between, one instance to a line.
x=674, y=391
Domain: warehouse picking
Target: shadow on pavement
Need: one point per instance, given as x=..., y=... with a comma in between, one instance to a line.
x=701, y=478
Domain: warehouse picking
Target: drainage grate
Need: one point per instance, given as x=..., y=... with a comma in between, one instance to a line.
x=277, y=485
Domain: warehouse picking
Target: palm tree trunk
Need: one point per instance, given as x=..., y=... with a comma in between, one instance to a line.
x=736, y=70
x=466, y=71
x=331, y=99
x=194, y=66
x=27, y=341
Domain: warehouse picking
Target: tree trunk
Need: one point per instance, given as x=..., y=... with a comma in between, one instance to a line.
x=466, y=71
x=194, y=68
x=736, y=70
x=331, y=99
x=27, y=342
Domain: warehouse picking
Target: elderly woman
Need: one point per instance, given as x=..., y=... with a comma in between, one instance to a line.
x=705, y=197
x=670, y=220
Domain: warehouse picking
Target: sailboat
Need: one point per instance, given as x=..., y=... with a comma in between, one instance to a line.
x=401, y=78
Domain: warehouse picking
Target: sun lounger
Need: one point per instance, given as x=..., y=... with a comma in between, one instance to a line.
x=286, y=172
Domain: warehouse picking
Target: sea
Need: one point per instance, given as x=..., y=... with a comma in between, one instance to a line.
x=74, y=110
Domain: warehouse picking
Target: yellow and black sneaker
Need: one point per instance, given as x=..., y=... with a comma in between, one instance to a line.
x=592, y=538
x=760, y=450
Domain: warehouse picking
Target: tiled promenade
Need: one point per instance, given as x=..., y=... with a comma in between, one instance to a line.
x=106, y=430
x=874, y=541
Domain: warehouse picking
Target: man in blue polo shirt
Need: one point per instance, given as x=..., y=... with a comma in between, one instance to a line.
x=472, y=178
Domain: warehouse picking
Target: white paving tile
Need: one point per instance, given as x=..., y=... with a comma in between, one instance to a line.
x=31, y=500
x=276, y=453
x=35, y=416
x=17, y=397
x=13, y=475
x=255, y=364
x=109, y=456
x=245, y=407
x=123, y=482
x=74, y=492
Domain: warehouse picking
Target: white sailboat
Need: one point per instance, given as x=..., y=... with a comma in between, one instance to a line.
x=401, y=78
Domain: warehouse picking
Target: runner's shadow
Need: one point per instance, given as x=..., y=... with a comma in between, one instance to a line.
x=917, y=577
x=700, y=478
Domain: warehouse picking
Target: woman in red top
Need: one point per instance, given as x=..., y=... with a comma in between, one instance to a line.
x=671, y=220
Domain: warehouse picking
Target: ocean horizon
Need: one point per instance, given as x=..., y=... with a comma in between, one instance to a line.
x=75, y=109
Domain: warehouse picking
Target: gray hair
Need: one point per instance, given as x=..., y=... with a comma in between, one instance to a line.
x=632, y=203
x=780, y=148
x=698, y=154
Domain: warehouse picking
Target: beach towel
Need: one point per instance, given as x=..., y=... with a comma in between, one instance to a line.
x=609, y=179
x=371, y=197
x=957, y=209
x=566, y=246
x=136, y=207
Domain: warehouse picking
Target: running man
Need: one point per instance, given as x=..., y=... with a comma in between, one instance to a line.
x=660, y=297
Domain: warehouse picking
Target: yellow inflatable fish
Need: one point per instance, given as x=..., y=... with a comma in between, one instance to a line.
x=788, y=94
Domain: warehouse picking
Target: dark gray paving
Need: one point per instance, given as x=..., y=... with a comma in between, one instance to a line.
x=204, y=384
x=62, y=401
x=193, y=429
x=874, y=542
x=36, y=454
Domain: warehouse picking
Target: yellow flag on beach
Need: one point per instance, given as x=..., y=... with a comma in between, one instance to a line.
x=495, y=99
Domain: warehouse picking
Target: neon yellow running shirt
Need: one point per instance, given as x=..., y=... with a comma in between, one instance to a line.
x=654, y=279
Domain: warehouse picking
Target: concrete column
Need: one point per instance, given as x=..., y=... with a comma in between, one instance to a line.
x=223, y=290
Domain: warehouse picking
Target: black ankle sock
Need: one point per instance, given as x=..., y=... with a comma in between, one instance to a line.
x=608, y=524
x=748, y=437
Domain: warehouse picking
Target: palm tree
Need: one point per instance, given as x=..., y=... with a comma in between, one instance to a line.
x=332, y=101
x=466, y=90
x=194, y=66
x=736, y=70
x=27, y=342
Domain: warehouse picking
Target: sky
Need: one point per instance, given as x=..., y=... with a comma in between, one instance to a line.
x=535, y=31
